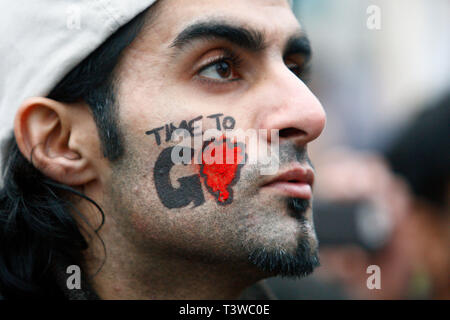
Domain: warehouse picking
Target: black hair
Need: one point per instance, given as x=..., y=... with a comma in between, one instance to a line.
x=37, y=227
x=421, y=153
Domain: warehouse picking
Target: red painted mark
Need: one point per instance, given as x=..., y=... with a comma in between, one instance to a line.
x=219, y=174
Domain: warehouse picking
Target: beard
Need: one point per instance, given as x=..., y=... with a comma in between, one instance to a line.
x=280, y=262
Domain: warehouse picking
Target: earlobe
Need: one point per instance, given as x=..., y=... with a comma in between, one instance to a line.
x=70, y=171
x=43, y=129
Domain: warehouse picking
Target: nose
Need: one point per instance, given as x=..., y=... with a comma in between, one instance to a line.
x=289, y=106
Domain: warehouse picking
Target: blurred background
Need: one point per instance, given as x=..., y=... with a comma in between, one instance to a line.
x=382, y=193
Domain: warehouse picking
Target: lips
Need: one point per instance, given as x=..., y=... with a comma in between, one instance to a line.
x=296, y=182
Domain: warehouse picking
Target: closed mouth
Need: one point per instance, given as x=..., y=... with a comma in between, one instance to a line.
x=295, y=182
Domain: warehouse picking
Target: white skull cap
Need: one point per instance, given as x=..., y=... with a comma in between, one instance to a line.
x=41, y=41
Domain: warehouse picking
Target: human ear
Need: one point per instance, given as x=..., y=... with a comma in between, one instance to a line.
x=52, y=135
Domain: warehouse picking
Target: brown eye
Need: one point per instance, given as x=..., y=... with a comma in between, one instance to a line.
x=221, y=70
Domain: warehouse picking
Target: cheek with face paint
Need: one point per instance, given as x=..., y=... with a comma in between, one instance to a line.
x=221, y=172
x=219, y=168
x=190, y=190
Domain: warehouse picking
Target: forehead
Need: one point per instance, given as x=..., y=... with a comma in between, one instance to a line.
x=272, y=17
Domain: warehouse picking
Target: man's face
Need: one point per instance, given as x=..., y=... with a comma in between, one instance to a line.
x=222, y=64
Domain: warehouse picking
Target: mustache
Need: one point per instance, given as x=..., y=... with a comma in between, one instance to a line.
x=300, y=154
x=289, y=152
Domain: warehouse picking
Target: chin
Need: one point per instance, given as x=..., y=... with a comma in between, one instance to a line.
x=298, y=263
x=286, y=252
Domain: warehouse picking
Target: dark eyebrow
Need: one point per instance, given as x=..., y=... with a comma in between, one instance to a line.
x=243, y=37
x=298, y=44
x=246, y=38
